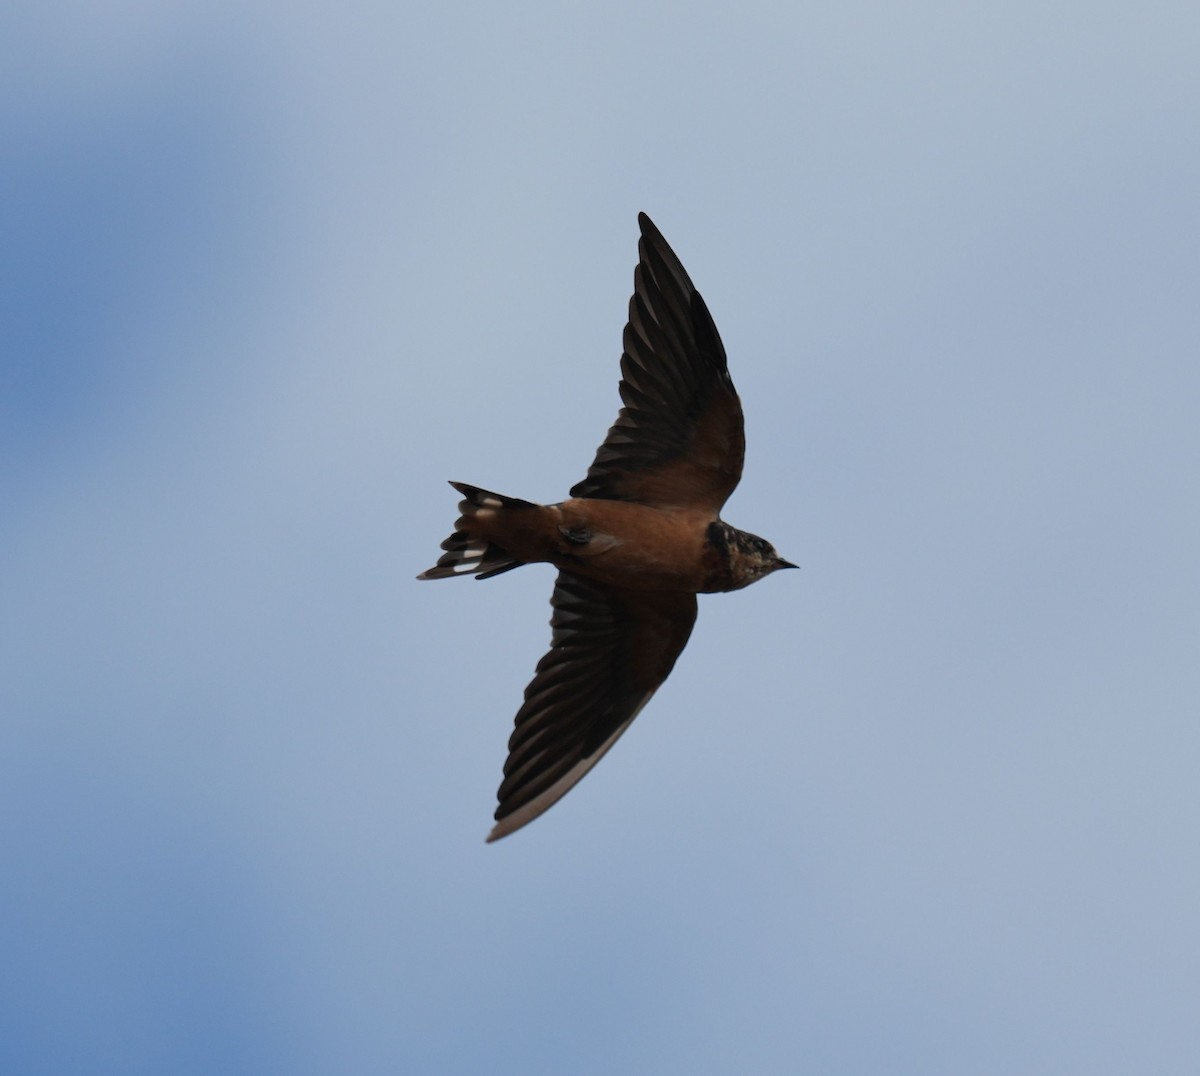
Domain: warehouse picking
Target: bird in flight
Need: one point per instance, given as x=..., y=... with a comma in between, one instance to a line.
x=634, y=543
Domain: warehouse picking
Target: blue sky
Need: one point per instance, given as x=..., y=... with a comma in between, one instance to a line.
x=272, y=274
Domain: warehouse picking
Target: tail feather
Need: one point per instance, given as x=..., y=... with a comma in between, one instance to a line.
x=466, y=552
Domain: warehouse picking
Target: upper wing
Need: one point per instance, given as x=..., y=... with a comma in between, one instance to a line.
x=678, y=441
x=609, y=651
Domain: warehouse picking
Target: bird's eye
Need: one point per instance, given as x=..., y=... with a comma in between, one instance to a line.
x=758, y=545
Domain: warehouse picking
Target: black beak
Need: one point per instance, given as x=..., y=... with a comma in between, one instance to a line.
x=781, y=563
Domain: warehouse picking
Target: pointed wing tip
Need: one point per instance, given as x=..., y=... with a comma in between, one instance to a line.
x=648, y=228
x=504, y=828
x=518, y=819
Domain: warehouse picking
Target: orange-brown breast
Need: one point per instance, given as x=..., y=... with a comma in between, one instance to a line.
x=615, y=542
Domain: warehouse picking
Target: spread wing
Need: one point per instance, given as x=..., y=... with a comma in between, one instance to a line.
x=678, y=441
x=610, y=650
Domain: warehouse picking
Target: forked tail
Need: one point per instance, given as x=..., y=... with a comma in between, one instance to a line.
x=467, y=553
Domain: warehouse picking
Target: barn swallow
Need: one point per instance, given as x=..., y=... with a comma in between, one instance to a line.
x=634, y=543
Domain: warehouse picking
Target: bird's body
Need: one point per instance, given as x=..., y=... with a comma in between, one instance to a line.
x=634, y=544
x=615, y=542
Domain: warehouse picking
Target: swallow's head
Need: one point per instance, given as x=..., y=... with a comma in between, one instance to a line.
x=745, y=557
